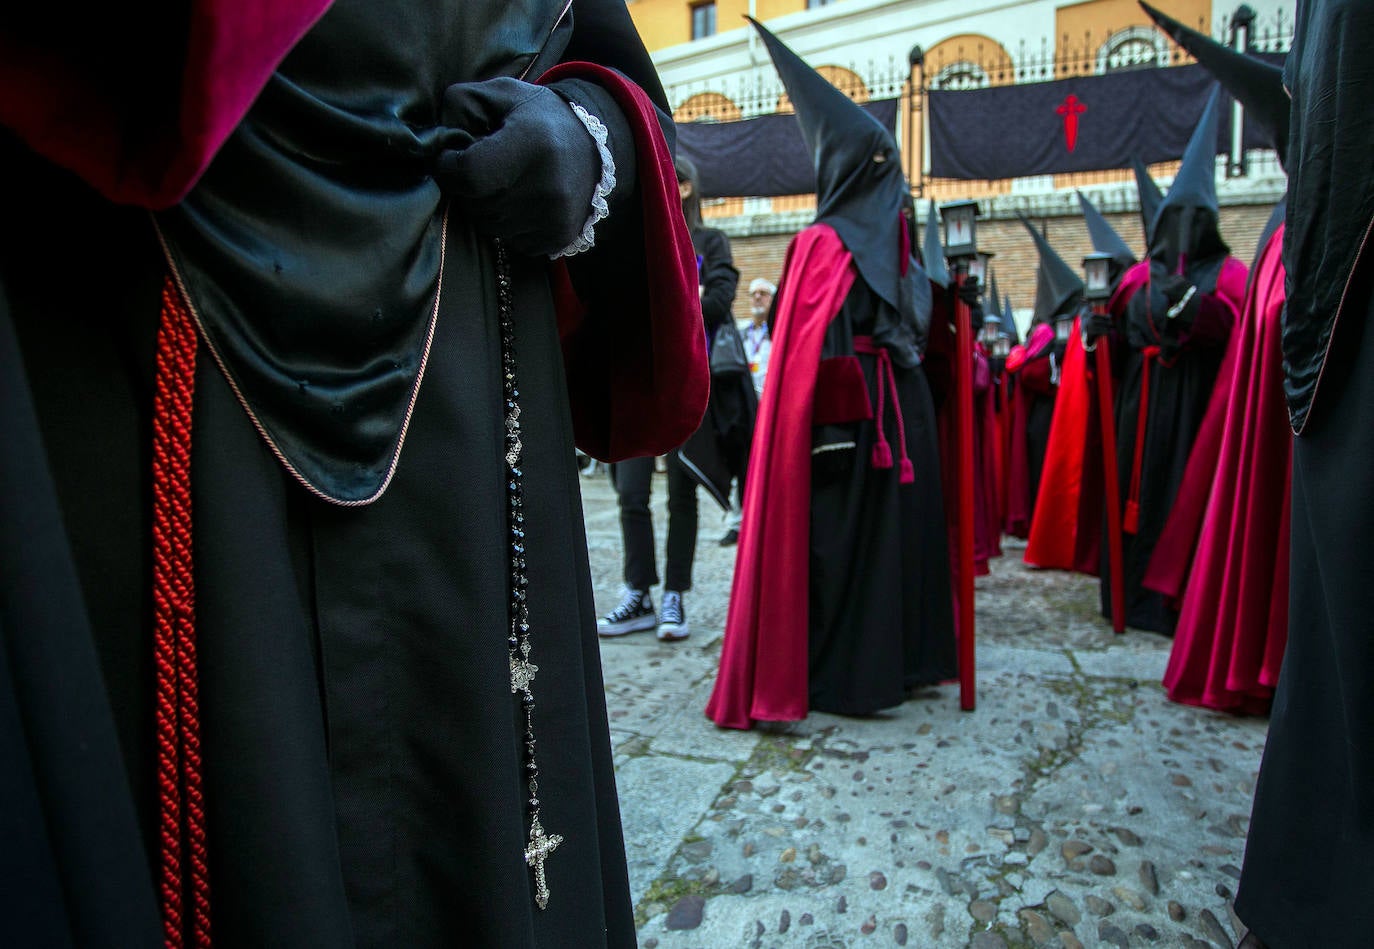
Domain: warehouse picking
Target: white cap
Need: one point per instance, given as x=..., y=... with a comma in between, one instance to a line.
x=758, y=283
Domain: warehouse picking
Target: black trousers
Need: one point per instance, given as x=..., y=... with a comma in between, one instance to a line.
x=632, y=480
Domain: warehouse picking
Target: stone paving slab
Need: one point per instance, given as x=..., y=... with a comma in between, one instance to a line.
x=1075, y=807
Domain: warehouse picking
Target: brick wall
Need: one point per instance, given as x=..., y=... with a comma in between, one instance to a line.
x=1014, y=265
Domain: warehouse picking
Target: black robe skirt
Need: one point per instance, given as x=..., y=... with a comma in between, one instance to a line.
x=362, y=746
x=882, y=613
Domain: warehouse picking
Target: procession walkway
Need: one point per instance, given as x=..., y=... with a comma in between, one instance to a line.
x=1076, y=806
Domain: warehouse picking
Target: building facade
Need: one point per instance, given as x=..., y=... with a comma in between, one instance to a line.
x=715, y=69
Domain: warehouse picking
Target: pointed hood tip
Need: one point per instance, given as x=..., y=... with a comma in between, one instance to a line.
x=1150, y=196
x=860, y=186
x=1256, y=84
x=1195, y=184
x=933, y=251
x=1056, y=283
x=1191, y=209
x=1105, y=238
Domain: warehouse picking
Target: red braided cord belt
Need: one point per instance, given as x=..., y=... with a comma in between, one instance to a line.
x=887, y=386
x=181, y=802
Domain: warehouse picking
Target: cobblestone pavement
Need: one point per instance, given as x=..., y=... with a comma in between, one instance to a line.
x=1075, y=807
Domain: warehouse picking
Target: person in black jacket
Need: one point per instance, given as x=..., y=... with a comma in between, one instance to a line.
x=711, y=457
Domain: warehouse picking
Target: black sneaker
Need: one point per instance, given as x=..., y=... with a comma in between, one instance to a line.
x=730, y=539
x=673, y=623
x=634, y=614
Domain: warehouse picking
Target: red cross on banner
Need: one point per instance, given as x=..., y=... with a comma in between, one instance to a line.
x=1071, y=108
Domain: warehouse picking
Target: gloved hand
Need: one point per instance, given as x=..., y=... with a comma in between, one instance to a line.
x=1181, y=298
x=1095, y=325
x=523, y=167
x=969, y=293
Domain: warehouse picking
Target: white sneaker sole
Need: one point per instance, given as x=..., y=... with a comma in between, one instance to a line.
x=672, y=632
x=638, y=624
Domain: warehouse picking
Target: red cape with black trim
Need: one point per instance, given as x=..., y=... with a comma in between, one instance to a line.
x=764, y=661
x=1065, y=534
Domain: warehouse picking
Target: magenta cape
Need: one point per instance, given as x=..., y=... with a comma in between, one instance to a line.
x=1066, y=532
x=1233, y=627
x=1167, y=571
x=637, y=375
x=987, y=527
x=97, y=116
x=763, y=664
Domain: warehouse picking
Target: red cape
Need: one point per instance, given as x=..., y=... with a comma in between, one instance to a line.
x=1233, y=626
x=763, y=664
x=1167, y=571
x=1066, y=532
x=135, y=141
x=637, y=373
x=1055, y=526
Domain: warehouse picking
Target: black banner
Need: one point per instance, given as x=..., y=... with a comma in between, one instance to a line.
x=762, y=157
x=1090, y=123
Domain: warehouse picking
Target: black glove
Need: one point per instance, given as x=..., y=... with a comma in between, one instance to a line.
x=1181, y=299
x=1095, y=325
x=970, y=294
x=524, y=167
x=969, y=291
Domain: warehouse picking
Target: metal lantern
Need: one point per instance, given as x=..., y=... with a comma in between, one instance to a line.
x=1097, y=277
x=992, y=329
x=978, y=265
x=1001, y=348
x=960, y=224
x=1063, y=328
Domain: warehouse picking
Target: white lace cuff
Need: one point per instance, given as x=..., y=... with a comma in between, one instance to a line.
x=587, y=239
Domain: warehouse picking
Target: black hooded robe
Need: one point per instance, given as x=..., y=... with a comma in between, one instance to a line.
x=363, y=749
x=1179, y=388
x=1309, y=856
x=881, y=614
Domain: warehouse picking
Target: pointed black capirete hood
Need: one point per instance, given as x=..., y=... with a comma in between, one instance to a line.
x=991, y=312
x=1058, y=288
x=932, y=251
x=859, y=197
x=1257, y=85
x=1150, y=196
x=1009, y=320
x=1104, y=237
x=1186, y=222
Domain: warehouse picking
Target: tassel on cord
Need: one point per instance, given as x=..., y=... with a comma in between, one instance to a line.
x=181, y=800
x=885, y=378
x=882, y=455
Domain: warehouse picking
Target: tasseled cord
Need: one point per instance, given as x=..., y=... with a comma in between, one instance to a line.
x=886, y=380
x=181, y=802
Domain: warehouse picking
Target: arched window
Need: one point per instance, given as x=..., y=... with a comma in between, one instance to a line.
x=1135, y=47
x=706, y=107
x=845, y=80
x=960, y=75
